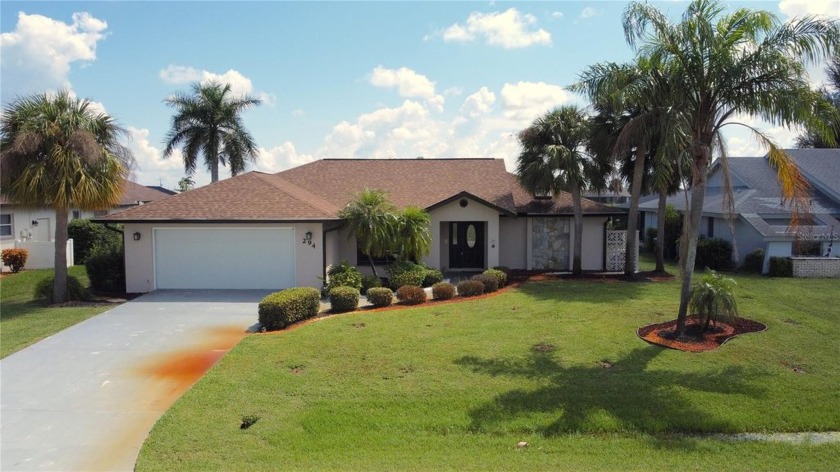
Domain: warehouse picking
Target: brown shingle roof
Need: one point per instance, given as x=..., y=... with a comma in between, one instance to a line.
x=134, y=192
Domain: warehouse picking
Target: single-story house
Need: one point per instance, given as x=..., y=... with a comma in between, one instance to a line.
x=759, y=218
x=271, y=231
x=36, y=226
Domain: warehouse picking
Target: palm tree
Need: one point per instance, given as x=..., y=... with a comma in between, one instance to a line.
x=186, y=183
x=412, y=233
x=371, y=219
x=58, y=152
x=208, y=122
x=554, y=159
x=725, y=65
x=831, y=94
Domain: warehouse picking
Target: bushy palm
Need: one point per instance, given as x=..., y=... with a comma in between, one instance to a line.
x=831, y=95
x=554, y=159
x=371, y=219
x=412, y=235
x=713, y=299
x=58, y=152
x=208, y=122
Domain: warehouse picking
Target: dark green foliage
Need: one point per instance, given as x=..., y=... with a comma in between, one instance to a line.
x=491, y=283
x=443, y=291
x=15, y=259
x=411, y=295
x=501, y=276
x=380, y=296
x=344, y=275
x=650, y=239
x=75, y=290
x=405, y=273
x=673, y=230
x=754, y=262
x=106, y=269
x=713, y=299
x=280, y=309
x=713, y=253
x=431, y=277
x=470, y=288
x=89, y=238
x=369, y=282
x=344, y=298
x=780, y=267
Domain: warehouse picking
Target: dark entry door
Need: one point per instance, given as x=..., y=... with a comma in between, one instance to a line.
x=466, y=244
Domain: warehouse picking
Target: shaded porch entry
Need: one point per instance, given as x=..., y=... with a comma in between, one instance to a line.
x=467, y=244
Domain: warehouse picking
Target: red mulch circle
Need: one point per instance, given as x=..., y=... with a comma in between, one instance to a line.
x=662, y=334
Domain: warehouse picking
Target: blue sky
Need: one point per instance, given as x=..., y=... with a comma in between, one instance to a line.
x=338, y=79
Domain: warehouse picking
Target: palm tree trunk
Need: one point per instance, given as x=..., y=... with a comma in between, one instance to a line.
x=60, y=240
x=213, y=156
x=578, y=210
x=633, y=213
x=691, y=231
x=373, y=266
x=660, y=231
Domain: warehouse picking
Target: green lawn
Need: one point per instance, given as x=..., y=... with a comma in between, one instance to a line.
x=24, y=321
x=456, y=386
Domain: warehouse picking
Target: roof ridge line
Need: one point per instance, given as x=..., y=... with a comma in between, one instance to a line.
x=299, y=193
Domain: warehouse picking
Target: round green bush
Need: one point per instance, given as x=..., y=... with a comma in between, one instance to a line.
x=411, y=277
x=443, y=291
x=369, y=282
x=754, y=262
x=105, y=268
x=713, y=253
x=89, y=237
x=380, y=296
x=471, y=288
x=431, y=277
x=344, y=275
x=75, y=290
x=490, y=282
x=501, y=276
x=411, y=295
x=344, y=298
x=280, y=309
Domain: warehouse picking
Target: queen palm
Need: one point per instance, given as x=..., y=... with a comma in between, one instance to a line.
x=554, y=159
x=831, y=110
x=411, y=233
x=58, y=152
x=371, y=219
x=208, y=122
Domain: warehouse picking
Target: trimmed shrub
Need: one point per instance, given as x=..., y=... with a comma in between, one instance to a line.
x=75, y=290
x=106, y=270
x=344, y=275
x=344, y=298
x=432, y=276
x=410, y=277
x=411, y=295
x=443, y=291
x=369, y=282
x=780, y=267
x=15, y=259
x=713, y=253
x=280, y=309
x=754, y=262
x=471, y=288
x=89, y=238
x=380, y=296
x=491, y=283
x=501, y=277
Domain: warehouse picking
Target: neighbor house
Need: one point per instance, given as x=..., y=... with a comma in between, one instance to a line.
x=271, y=231
x=760, y=220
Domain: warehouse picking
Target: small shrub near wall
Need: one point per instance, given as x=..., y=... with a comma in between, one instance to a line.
x=410, y=277
x=713, y=253
x=470, y=288
x=780, y=267
x=15, y=259
x=411, y=295
x=501, y=276
x=280, y=309
x=754, y=262
x=432, y=276
x=106, y=270
x=369, y=282
x=443, y=291
x=344, y=299
x=344, y=275
x=89, y=238
x=75, y=290
x=491, y=283
x=380, y=296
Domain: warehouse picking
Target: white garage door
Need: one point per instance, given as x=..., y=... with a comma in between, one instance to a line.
x=229, y=258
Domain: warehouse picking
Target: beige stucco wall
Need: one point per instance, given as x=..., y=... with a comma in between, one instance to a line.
x=513, y=242
x=139, y=256
x=474, y=211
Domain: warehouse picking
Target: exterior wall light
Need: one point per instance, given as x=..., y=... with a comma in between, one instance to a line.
x=307, y=238
x=137, y=236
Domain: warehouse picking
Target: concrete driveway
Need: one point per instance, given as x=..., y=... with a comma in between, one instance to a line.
x=87, y=397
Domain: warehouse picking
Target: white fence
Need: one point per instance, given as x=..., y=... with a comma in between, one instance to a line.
x=42, y=254
x=616, y=247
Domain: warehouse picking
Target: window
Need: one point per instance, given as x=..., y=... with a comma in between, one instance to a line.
x=6, y=225
x=77, y=214
x=362, y=258
x=710, y=231
x=99, y=213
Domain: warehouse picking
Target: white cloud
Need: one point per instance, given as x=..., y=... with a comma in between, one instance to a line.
x=525, y=101
x=239, y=83
x=740, y=141
x=590, y=12
x=479, y=103
x=280, y=158
x=793, y=8
x=38, y=54
x=509, y=29
x=557, y=14
x=409, y=84
x=152, y=168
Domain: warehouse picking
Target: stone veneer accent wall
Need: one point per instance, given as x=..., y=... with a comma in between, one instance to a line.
x=816, y=267
x=550, y=243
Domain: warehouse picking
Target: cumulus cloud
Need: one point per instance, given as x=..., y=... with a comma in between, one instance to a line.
x=557, y=14
x=793, y=8
x=239, y=83
x=525, y=101
x=409, y=84
x=280, y=158
x=590, y=12
x=39, y=53
x=509, y=29
x=740, y=141
x=151, y=168
x=479, y=103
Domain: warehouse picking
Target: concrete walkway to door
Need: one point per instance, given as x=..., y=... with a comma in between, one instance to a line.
x=87, y=397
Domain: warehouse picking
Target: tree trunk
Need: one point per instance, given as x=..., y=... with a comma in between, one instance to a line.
x=60, y=240
x=372, y=266
x=577, y=267
x=691, y=231
x=213, y=157
x=660, y=232
x=633, y=213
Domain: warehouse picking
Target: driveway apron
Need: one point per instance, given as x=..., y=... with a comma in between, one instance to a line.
x=87, y=397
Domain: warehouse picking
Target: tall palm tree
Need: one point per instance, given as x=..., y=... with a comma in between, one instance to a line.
x=724, y=65
x=208, y=122
x=58, y=152
x=371, y=219
x=412, y=233
x=554, y=159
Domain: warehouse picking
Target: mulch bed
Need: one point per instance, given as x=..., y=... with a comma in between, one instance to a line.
x=662, y=334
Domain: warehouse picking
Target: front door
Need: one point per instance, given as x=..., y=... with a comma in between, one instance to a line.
x=466, y=248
